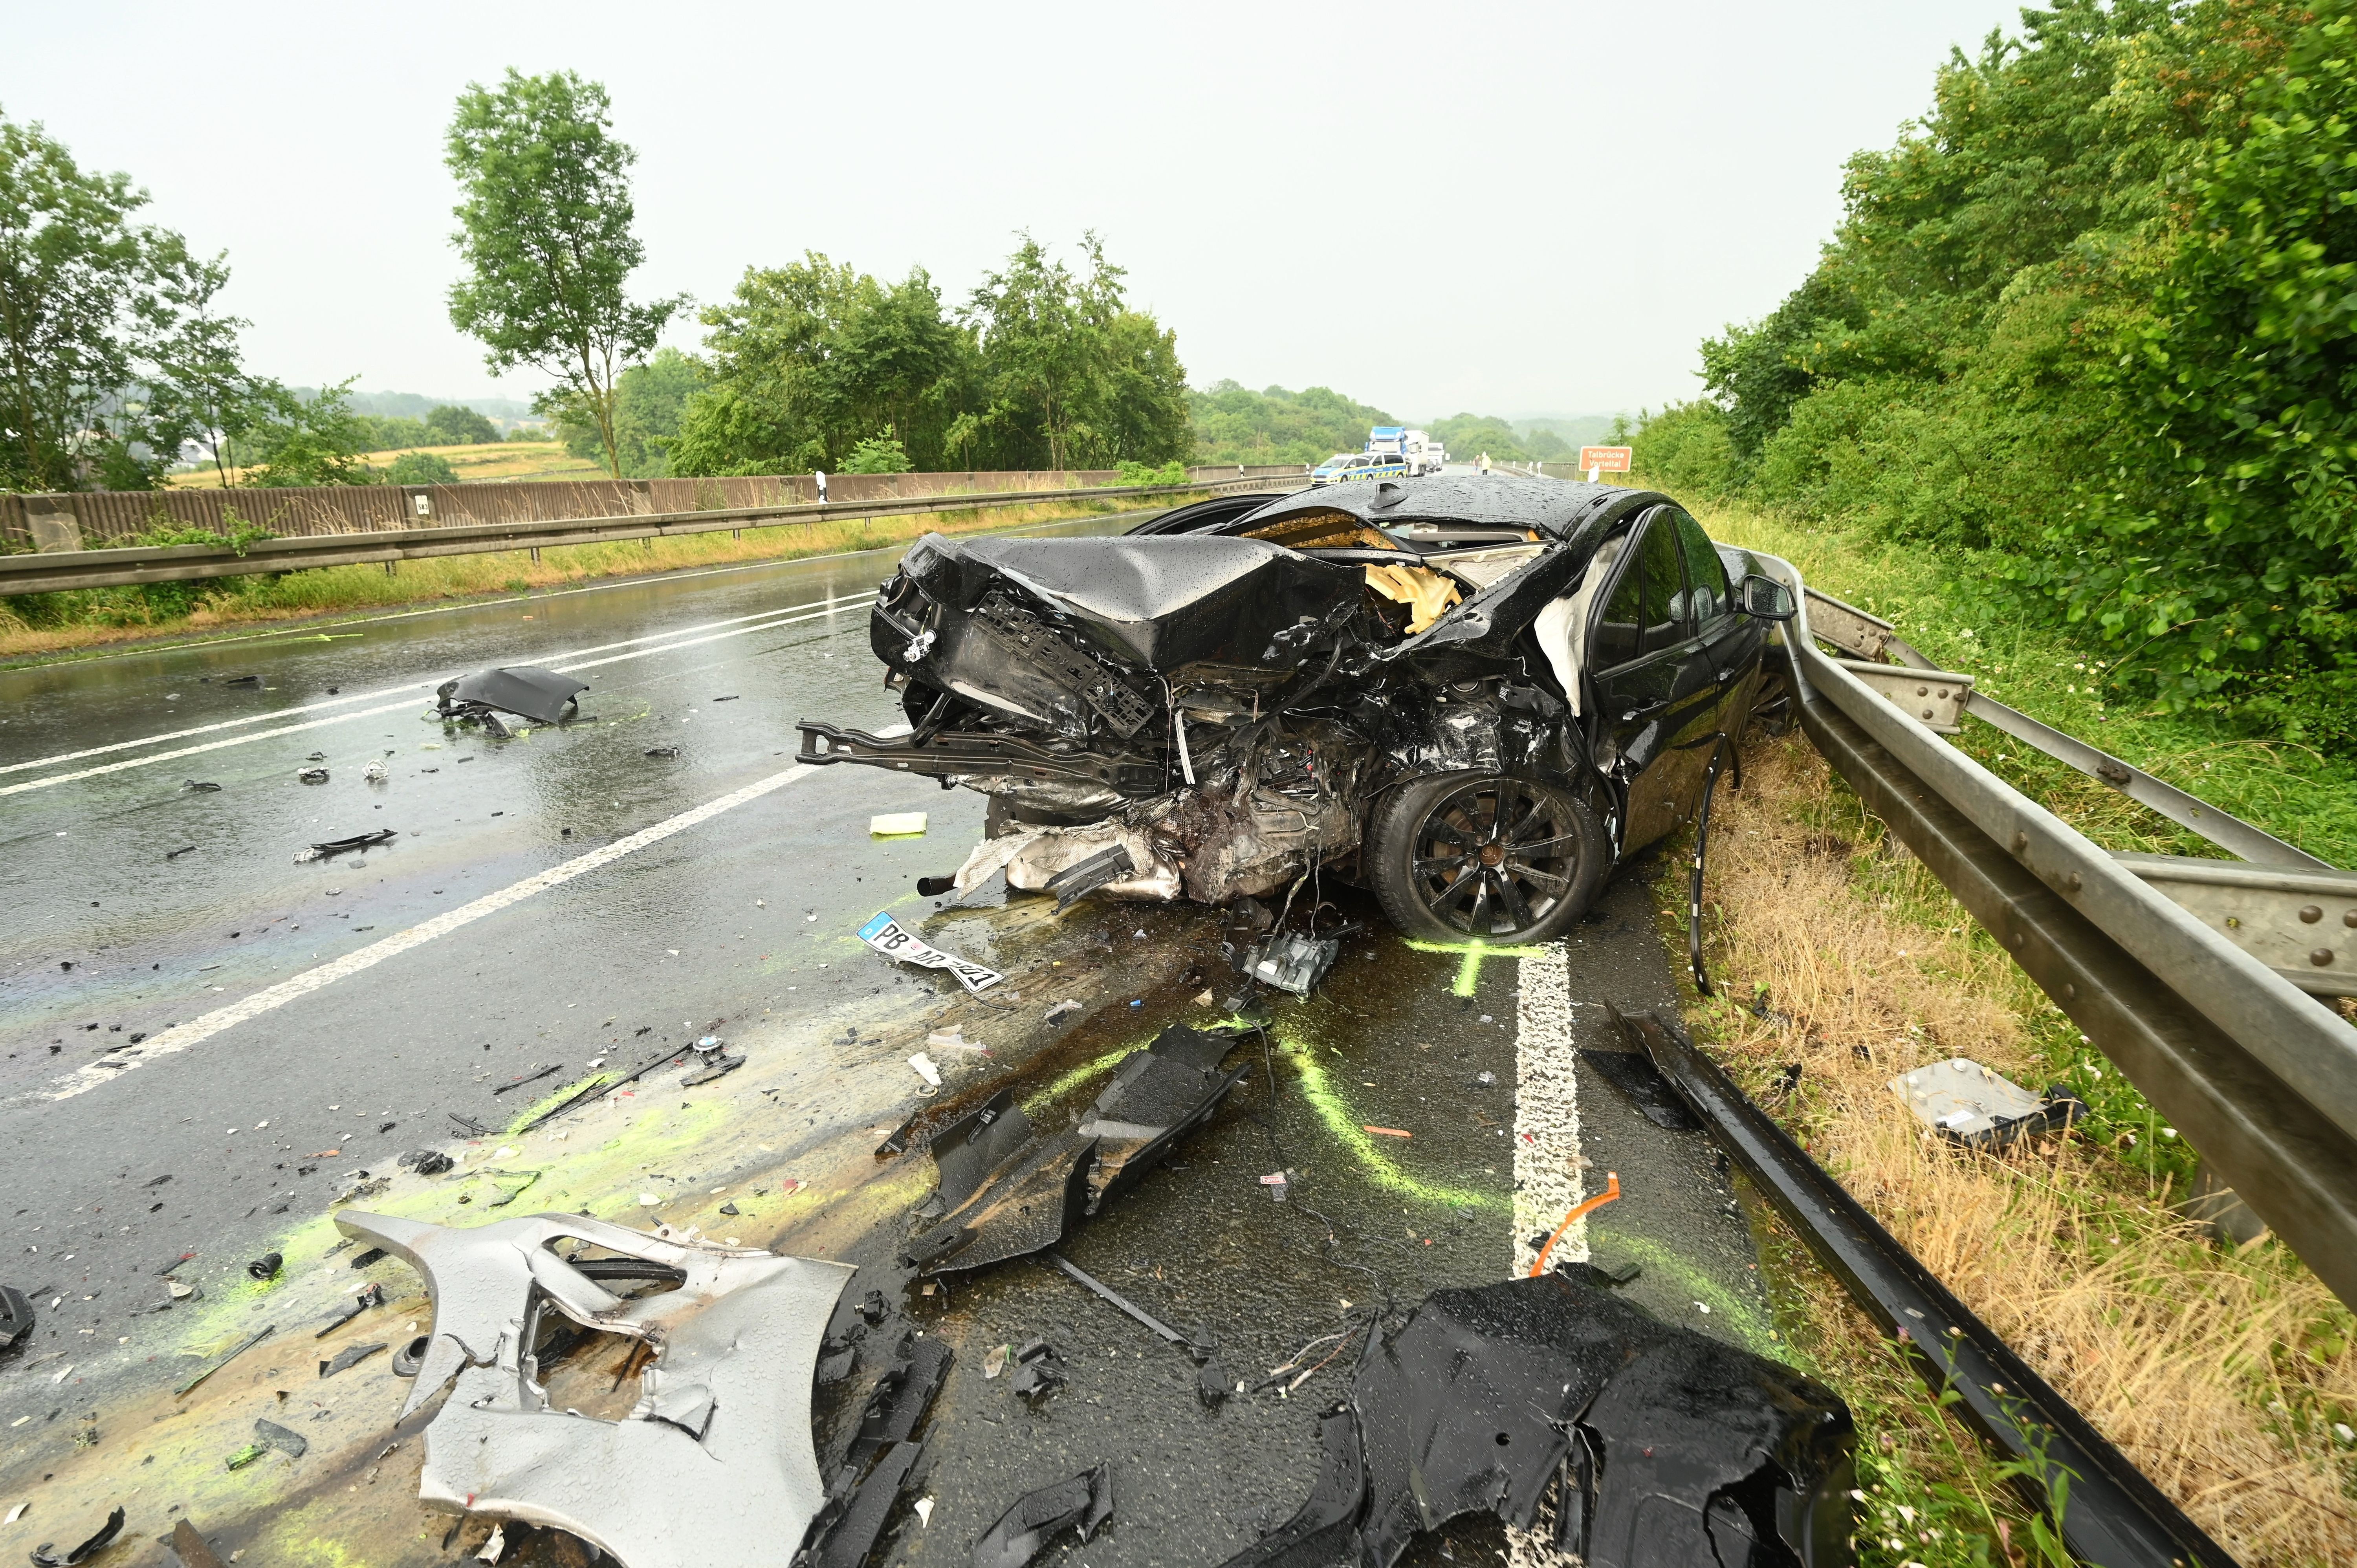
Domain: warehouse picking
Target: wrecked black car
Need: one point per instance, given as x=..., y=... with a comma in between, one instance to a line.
x=1473, y=696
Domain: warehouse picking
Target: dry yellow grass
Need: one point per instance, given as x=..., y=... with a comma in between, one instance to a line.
x=487, y=460
x=2219, y=1374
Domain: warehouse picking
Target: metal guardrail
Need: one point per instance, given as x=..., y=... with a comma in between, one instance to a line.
x=64, y=569
x=2258, y=1077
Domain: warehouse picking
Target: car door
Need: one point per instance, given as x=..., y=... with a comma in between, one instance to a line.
x=1732, y=642
x=1658, y=692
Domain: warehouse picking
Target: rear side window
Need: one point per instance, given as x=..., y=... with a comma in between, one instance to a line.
x=1620, y=630
x=1665, y=585
x=1707, y=594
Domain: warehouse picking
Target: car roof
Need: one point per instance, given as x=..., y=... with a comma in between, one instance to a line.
x=1556, y=507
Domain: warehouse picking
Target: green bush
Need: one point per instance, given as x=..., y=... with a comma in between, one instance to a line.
x=1174, y=472
x=421, y=468
x=878, y=455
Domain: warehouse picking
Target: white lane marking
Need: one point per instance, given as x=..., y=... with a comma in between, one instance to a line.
x=427, y=684
x=1547, y=1183
x=182, y=1037
x=396, y=707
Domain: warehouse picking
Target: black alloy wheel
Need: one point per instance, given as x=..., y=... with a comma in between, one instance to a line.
x=1484, y=858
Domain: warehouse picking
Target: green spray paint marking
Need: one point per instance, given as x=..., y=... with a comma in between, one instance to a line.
x=1469, y=973
x=1320, y=1092
x=1696, y=1284
x=543, y=1106
x=1080, y=1074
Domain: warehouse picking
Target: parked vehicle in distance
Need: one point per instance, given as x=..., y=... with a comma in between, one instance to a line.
x=1474, y=697
x=1344, y=466
x=1419, y=451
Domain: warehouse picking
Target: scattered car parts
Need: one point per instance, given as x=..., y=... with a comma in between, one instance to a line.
x=1978, y=1107
x=337, y=846
x=1661, y=1447
x=887, y=936
x=15, y=1316
x=543, y=697
x=44, y=1554
x=1005, y=1192
x=721, y=1432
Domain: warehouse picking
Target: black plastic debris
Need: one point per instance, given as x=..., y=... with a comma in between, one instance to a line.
x=1037, y=1372
x=294, y=1445
x=1291, y=961
x=192, y=1547
x=199, y=786
x=358, y=841
x=934, y=886
x=373, y=1295
x=1082, y=877
x=1006, y=1192
x=312, y=775
x=1212, y=1385
x=904, y=1394
x=15, y=1316
x=1082, y=1504
x=543, y=696
x=412, y=1356
x=852, y=1539
x=1661, y=1447
x=177, y=854
x=351, y=1356
x=363, y=1260
x=551, y=1069
x=44, y=1554
x=425, y=1162
x=897, y=1142
x=266, y=1267
x=871, y=1307
x=714, y=1067
x=663, y=751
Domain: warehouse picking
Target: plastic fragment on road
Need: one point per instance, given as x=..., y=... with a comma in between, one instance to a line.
x=1976, y=1106
x=425, y=1162
x=1084, y=876
x=715, y=1064
x=540, y=695
x=886, y=935
x=925, y=1070
x=265, y=1332
x=292, y=1443
x=741, y=1333
x=1062, y=1011
x=190, y=1547
x=374, y=773
x=266, y=1267
x=1671, y=1448
x=1387, y=1132
x=44, y=1555
x=1276, y=1182
x=312, y=775
x=995, y=1362
x=1082, y=1505
x=349, y=1356
x=16, y=1315
x=1005, y=1191
x=1291, y=961
x=897, y=826
x=199, y=787
x=373, y=1295
x=1211, y=1381
x=494, y=1545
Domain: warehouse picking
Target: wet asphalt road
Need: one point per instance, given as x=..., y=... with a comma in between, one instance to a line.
x=740, y=923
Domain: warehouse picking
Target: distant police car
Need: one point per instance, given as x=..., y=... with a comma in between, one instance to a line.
x=1348, y=465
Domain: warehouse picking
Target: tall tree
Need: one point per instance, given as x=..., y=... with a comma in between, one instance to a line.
x=546, y=228
x=112, y=353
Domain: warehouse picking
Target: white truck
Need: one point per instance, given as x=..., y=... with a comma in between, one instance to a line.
x=1419, y=451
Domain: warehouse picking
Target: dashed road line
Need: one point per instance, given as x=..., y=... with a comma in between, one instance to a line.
x=1547, y=1184
x=184, y=1037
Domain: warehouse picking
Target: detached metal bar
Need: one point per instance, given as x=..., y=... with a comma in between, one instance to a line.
x=2113, y=1516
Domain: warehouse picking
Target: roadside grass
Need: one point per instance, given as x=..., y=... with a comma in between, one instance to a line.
x=2068, y=679
x=2228, y=1377
x=48, y=624
x=479, y=460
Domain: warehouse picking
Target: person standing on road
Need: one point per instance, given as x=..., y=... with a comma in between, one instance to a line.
x=1482, y=463
x=820, y=476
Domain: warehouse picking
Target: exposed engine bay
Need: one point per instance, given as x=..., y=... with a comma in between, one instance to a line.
x=1231, y=697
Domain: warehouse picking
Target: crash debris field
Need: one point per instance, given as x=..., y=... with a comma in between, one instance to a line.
x=1112, y=1047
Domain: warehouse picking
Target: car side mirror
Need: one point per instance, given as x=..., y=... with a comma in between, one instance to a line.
x=1767, y=598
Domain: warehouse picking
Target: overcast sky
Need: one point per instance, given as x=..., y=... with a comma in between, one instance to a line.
x=1511, y=209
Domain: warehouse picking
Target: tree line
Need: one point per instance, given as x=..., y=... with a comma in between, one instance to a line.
x=116, y=360
x=2090, y=328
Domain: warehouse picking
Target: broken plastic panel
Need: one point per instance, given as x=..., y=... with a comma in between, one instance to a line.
x=1005, y=1191
x=1291, y=961
x=1979, y=1107
x=721, y=1432
x=543, y=696
x=1661, y=1448
x=1082, y=1504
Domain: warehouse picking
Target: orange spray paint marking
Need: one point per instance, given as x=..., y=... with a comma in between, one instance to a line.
x=1610, y=1194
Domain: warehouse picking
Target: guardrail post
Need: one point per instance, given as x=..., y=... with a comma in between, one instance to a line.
x=54, y=522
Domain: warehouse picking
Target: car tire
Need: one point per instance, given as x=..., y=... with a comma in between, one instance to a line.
x=1446, y=869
